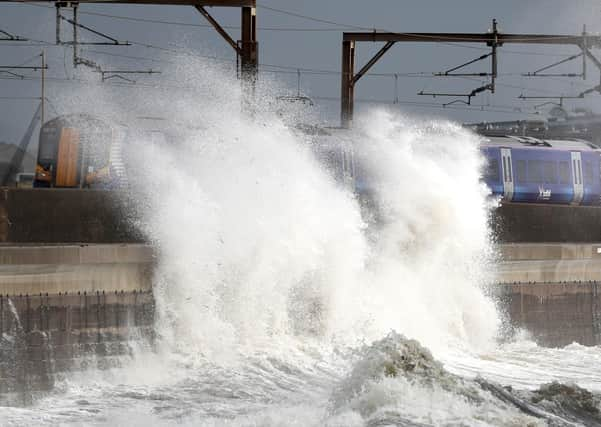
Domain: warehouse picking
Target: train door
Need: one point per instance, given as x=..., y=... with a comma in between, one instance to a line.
x=507, y=174
x=577, y=177
x=67, y=159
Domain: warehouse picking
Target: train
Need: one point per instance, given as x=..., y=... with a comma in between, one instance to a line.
x=77, y=151
x=522, y=169
x=518, y=169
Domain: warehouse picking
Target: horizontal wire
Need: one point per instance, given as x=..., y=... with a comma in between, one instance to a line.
x=20, y=97
x=481, y=107
x=308, y=71
x=295, y=70
x=484, y=109
x=340, y=25
x=189, y=24
x=282, y=68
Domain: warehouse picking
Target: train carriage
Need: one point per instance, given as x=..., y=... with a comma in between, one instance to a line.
x=519, y=169
x=84, y=151
x=77, y=151
x=530, y=170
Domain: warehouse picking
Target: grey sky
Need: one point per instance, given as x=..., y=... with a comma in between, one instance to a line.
x=321, y=49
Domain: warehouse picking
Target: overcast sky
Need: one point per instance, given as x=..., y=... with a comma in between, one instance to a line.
x=319, y=49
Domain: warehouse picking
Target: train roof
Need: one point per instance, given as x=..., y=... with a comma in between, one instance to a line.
x=536, y=143
x=75, y=119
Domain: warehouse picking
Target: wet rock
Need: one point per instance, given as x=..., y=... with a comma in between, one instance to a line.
x=569, y=401
x=395, y=374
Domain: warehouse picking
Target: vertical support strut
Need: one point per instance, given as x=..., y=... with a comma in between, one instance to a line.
x=249, y=52
x=493, y=39
x=495, y=43
x=75, y=56
x=58, y=23
x=347, y=87
x=43, y=100
x=583, y=47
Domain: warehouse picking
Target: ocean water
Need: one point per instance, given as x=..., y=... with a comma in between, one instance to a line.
x=280, y=302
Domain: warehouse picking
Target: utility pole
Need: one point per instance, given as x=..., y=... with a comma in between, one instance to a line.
x=42, y=101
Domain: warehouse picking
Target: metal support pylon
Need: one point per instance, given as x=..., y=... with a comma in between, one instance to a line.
x=493, y=38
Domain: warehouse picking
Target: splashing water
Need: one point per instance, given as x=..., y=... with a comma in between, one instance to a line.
x=257, y=240
x=271, y=278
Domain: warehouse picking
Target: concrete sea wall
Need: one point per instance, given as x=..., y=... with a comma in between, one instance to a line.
x=95, y=216
x=553, y=291
x=63, y=307
x=528, y=223
x=76, y=274
x=66, y=216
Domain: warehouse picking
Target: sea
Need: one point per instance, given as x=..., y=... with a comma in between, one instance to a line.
x=286, y=299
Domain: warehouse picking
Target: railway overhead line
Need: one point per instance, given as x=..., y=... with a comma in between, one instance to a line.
x=246, y=47
x=493, y=39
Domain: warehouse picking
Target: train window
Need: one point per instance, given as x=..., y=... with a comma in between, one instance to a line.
x=492, y=170
x=564, y=173
x=535, y=171
x=48, y=145
x=520, y=171
x=588, y=173
x=550, y=172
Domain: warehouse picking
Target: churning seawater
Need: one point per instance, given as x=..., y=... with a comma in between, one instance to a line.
x=282, y=303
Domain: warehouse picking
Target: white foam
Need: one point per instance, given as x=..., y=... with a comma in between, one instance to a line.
x=268, y=277
x=255, y=237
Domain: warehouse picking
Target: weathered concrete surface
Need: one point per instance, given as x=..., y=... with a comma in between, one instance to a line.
x=66, y=216
x=550, y=251
x=553, y=291
x=556, y=314
x=31, y=270
x=76, y=254
x=549, y=263
x=96, y=216
x=46, y=334
x=549, y=271
x=531, y=223
x=66, y=306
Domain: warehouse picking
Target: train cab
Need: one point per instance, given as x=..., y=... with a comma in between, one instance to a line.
x=78, y=151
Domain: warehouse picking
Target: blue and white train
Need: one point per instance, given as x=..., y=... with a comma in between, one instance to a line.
x=530, y=170
x=519, y=169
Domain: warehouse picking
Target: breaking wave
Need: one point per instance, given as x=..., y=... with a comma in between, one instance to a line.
x=273, y=278
x=259, y=245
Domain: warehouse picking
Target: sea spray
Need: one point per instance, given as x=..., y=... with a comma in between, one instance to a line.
x=248, y=223
x=260, y=247
x=270, y=277
x=432, y=251
x=256, y=240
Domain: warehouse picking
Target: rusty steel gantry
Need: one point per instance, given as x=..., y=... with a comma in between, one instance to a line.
x=493, y=39
x=246, y=47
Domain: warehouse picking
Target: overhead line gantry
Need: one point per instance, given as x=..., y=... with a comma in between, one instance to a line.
x=493, y=39
x=246, y=47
